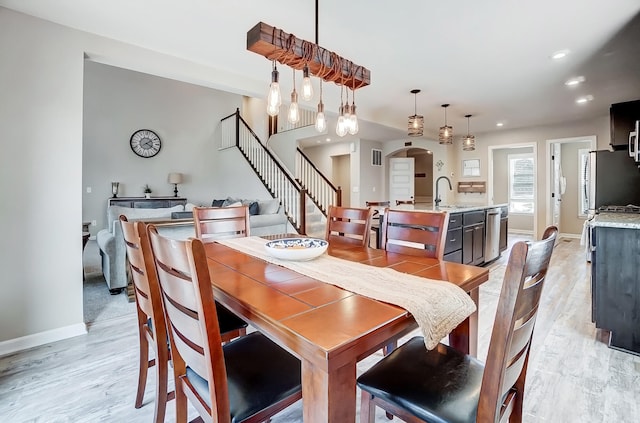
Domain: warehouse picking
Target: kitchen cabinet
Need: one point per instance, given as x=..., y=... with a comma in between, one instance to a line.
x=453, y=243
x=504, y=227
x=616, y=285
x=623, y=118
x=473, y=237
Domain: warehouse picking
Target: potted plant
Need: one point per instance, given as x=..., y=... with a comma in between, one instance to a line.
x=147, y=191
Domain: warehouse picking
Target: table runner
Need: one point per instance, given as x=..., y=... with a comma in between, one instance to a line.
x=437, y=306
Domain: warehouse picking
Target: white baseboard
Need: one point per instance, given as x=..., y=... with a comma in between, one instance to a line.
x=37, y=339
x=520, y=231
x=572, y=236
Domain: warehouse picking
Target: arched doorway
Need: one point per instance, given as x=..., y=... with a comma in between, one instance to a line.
x=423, y=173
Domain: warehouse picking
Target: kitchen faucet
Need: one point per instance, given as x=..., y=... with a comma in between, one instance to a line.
x=438, y=200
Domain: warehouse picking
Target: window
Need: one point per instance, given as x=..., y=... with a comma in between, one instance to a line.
x=521, y=183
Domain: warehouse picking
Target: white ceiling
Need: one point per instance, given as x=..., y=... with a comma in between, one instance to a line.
x=488, y=58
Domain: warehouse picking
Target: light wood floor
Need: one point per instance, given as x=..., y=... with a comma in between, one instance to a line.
x=573, y=376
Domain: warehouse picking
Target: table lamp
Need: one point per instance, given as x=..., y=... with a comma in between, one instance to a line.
x=114, y=189
x=175, y=179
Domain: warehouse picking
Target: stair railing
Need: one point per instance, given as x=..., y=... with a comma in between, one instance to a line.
x=321, y=191
x=273, y=176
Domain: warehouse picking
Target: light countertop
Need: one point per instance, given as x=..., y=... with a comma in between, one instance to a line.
x=616, y=220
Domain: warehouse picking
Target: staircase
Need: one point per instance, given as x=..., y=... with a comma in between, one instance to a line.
x=307, y=217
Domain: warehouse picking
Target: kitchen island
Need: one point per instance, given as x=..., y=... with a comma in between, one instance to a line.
x=615, y=278
x=476, y=234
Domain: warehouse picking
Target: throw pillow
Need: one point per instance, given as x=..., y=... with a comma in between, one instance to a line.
x=229, y=201
x=217, y=203
x=254, y=209
x=236, y=204
x=269, y=206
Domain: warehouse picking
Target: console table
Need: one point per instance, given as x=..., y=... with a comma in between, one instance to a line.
x=147, y=203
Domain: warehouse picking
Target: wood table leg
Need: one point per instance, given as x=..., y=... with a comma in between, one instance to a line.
x=465, y=336
x=328, y=397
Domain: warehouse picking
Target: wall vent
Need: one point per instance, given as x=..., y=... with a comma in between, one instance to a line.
x=376, y=157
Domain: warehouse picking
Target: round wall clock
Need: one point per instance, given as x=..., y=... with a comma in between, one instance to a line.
x=145, y=143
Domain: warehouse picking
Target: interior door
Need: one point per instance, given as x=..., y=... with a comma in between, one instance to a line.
x=556, y=184
x=401, y=179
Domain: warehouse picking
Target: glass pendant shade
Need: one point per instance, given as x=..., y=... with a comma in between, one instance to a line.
x=445, y=135
x=415, y=126
x=307, y=88
x=274, y=99
x=294, y=111
x=353, y=121
x=321, y=121
x=341, y=126
x=469, y=141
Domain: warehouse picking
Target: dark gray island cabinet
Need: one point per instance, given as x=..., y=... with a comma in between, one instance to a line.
x=615, y=278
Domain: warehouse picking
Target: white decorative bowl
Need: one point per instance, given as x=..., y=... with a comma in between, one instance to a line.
x=296, y=248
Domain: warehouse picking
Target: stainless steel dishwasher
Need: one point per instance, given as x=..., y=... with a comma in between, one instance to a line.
x=492, y=235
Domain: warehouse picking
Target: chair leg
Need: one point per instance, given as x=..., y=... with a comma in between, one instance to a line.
x=162, y=376
x=143, y=367
x=367, y=408
x=181, y=403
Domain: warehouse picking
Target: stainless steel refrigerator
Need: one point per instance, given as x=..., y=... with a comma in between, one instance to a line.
x=614, y=179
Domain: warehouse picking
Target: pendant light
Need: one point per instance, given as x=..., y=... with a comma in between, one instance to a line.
x=294, y=111
x=353, y=118
x=341, y=127
x=445, y=136
x=468, y=142
x=415, y=128
x=321, y=121
x=274, y=99
x=307, y=88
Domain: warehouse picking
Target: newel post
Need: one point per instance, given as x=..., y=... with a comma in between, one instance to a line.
x=303, y=212
x=339, y=197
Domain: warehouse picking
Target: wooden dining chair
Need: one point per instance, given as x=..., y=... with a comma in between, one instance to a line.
x=247, y=380
x=349, y=225
x=213, y=223
x=402, y=202
x=446, y=385
x=152, y=329
x=414, y=232
x=377, y=203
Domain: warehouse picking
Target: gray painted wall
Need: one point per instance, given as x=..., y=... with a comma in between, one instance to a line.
x=117, y=102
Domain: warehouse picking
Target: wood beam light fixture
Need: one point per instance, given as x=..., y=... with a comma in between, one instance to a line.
x=287, y=49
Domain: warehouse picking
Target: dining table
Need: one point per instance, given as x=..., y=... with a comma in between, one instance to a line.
x=327, y=327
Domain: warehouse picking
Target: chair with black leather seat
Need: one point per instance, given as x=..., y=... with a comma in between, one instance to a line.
x=349, y=224
x=213, y=223
x=247, y=380
x=414, y=232
x=152, y=329
x=405, y=202
x=445, y=385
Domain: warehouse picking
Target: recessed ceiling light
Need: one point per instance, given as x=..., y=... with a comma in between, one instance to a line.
x=328, y=139
x=574, y=81
x=560, y=54
x=500, y=124
x=585, y=99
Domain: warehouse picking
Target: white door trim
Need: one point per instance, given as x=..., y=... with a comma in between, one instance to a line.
x=594, y=145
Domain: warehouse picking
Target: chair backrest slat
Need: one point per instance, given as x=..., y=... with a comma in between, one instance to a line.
x=508, y=355
x=414, y=232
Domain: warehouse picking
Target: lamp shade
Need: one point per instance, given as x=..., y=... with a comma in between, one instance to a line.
x=175, y=178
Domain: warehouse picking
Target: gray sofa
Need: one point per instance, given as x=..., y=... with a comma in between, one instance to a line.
x=269, y=219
